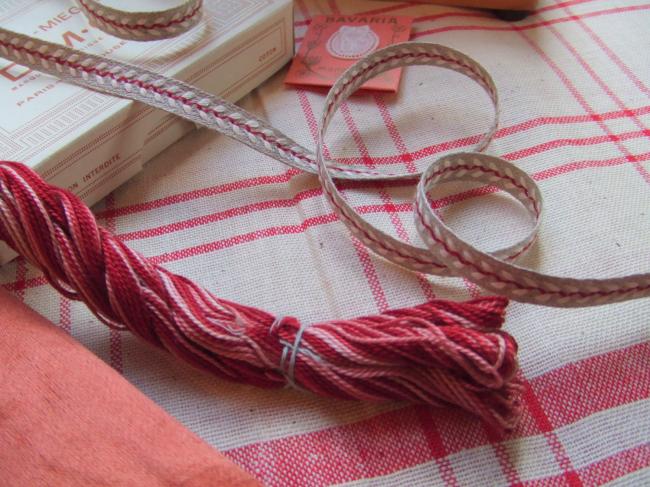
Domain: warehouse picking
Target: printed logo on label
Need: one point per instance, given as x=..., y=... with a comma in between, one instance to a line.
x=352, y=42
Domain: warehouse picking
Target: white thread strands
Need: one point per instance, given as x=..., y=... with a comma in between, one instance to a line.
x=446, y=254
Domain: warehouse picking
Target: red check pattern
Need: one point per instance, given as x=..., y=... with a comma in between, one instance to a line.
x=573, y=79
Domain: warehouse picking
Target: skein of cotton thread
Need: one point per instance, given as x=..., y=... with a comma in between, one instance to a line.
x=437, y=353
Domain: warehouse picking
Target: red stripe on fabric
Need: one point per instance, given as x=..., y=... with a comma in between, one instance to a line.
x=576, y=142
x=535, y=25
x=544, y=425
x=567, y=119
x=387, y=207
x=394, y=217
x=436, y=149
x=115, y=337
x=372, y=277
x=578, y=165
x=458, y=432
x=221, y=215
x=610, y=93
x=604, y=470
x=308, y=112
x=608, y=52
x=20, y=284
x=65, y=322
x=394, y=133
x=503, y=454
x=197, y=194
x=399, y=144
x=547, y=8
x=313, y=126
x=507, y=464
x=362, y=251
x=617, y=466
x=437, y=449
x=619, y=377
x=243, y=238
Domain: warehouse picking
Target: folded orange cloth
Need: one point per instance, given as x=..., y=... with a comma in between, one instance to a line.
x=66, y=418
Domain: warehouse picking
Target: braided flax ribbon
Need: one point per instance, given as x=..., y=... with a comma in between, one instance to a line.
x=143, y=26
x=436, y=353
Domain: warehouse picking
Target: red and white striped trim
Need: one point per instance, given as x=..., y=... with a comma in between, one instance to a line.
x=447, y=254
x=143, y=26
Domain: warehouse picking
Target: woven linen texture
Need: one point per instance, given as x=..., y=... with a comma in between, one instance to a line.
x=575, y=110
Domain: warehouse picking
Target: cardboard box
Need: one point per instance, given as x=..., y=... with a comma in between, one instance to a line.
x=91, y=143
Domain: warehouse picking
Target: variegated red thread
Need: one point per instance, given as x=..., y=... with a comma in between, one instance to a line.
x=437, y=353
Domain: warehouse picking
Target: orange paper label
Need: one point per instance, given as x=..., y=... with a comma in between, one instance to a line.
x=333, y=43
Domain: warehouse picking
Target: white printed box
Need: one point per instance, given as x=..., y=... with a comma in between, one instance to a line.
x=91, y=143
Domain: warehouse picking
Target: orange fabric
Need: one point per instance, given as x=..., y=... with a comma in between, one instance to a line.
x=66, y=418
